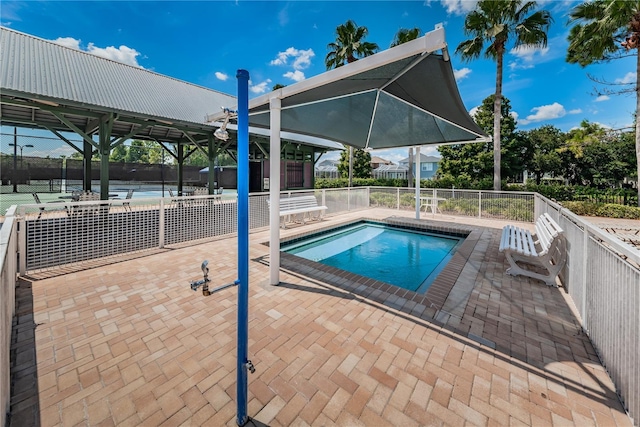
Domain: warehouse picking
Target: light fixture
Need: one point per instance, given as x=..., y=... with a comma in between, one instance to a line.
x=221, y=133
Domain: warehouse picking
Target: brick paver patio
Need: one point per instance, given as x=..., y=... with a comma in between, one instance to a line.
x=129, y=343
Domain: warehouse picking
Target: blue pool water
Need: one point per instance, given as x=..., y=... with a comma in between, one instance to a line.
x=406, y=258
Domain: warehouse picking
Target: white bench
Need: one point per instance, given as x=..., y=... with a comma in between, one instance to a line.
x=289, y=207
x=548, y=250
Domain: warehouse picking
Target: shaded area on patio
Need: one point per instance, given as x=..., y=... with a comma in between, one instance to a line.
x=130, y=343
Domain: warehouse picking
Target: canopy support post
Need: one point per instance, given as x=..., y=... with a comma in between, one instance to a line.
x=274, y=192
x=418, y=167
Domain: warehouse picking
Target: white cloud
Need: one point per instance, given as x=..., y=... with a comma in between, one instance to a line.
x=123, y=54
x=296, y=75
x=548, y=112
x=69, y=42
x=221, y=76
x=461, y=73
x=602, y=98
x=514, y=115
x=545, y=112
x=473, y=111
x=527, y=56
x=260, y=87
x=456, y=7
x=301, y=58
x=630, y=77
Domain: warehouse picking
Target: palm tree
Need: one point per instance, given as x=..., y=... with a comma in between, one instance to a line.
x=606, y=30
x=349, y=45
x=402, y=36
x=495, y=22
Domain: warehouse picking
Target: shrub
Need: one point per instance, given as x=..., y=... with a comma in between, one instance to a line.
x=379, y=198
x=612, y=210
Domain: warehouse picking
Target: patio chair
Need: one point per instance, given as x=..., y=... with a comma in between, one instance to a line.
x=86, y=209
x=37, y=199
x=129, y=196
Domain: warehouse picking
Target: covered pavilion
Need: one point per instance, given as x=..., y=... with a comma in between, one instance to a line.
x=44, y=85
x=402, y=97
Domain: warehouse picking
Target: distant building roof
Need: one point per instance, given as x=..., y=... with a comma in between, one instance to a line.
x=424, y=159
x=392, y=168
x=380, y=160
x=328, y=162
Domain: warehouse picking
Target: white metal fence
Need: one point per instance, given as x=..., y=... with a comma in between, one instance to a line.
x=8, y=269
x=601, y=275
x=482, y=204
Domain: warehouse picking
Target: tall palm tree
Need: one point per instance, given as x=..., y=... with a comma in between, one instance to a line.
x=402, y=36
x=405, y=35
x=606, y=30
x=495, y=22
x=349, y=47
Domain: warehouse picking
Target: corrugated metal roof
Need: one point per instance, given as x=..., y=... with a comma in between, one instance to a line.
x=46, y=70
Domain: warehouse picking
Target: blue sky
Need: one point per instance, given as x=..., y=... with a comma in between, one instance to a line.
x=205, y=42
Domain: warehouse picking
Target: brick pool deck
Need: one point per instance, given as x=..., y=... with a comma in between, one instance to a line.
x=129, y=343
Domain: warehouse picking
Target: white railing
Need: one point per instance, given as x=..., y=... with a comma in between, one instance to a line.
x=8, y=269
x=506, y=205
x=61, y=234
x=602, y=276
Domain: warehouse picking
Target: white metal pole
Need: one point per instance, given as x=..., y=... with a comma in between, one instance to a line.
x=418, y=166
x=274, y=192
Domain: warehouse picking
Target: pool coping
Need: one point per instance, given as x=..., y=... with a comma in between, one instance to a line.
x=425, y=306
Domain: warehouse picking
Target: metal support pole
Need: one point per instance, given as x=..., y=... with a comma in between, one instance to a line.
x=243, y=244
x=104, y=144
x=15, y=160
x=418, y=167
x=274, y=192
x=350, y=166
x=180, y=152
x=88, y=153
x=212, y=154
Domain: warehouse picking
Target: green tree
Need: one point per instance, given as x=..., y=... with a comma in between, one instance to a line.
x=197, y=158
x=402, y=36
x=405, y=35
x=361, y=164
x=597, y=156
x=118, y=154
x=138, y=152
x=349, y=45
x=606, y=30
x=542, y=154
x=494, y=22
x=476, y=160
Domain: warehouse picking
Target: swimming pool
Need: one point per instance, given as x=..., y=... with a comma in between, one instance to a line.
x=410, y=259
